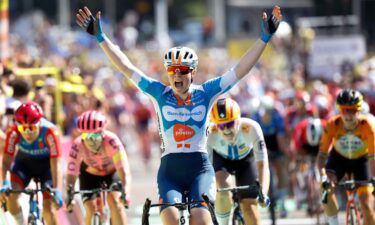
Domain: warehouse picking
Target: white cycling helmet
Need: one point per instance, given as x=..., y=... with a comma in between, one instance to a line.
x=267, y=103
x=181, y=56
x=314, y=131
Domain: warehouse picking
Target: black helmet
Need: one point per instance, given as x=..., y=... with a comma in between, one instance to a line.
x=349, y=97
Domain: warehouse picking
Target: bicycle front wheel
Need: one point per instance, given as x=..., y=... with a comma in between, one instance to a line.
x=96, y=219
x=353, y=217
x=238, y=220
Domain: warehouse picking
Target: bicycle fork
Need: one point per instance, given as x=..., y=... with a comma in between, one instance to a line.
x=352, y=213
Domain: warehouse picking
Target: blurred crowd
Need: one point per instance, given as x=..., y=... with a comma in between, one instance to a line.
x=87, y=81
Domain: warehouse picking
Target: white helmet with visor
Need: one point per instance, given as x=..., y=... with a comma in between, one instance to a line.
x=181, y=56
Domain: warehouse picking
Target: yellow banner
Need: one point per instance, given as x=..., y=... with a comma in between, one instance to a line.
x=238, y=47
x=4, y=5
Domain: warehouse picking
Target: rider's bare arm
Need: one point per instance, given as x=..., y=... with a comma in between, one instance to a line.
x=118, y=58
x=264, y=175
x=325, y=146
x=70, y=180
x=7, y=161
x=371, y=149
x=254, y=132
x=124, y=171
x=321, y=162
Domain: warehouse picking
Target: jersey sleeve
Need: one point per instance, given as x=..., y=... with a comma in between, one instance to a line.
x=11, y=140
x=147, y=85
x=117, y=151
x=53, y=141
x=74, y=158
x=220, y=85
x=256, y=137
x=327, y=137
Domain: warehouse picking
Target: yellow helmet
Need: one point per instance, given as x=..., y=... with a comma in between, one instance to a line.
x=225, y=110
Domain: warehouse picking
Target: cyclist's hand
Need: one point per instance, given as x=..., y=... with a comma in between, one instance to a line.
x=70, y=205
x=265, y=202
x=3, y=190
x=58, y=199
x=126, y=200
x=89, y=23
x=270, y=24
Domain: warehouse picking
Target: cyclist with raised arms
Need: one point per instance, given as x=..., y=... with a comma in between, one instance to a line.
x=238, y=147
x=99, y=157
x=32, y=150
x=347, y=147
x=182, y=110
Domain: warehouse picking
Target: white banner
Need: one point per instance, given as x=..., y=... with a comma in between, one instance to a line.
x=329, y=52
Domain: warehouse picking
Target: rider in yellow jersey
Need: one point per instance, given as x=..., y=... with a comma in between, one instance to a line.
x=347, y=147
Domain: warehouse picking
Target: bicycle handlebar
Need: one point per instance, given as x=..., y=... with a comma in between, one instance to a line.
x=347, y=184
x=179, y=205
x=257, y=187
x=112, y=188
x=28, y=191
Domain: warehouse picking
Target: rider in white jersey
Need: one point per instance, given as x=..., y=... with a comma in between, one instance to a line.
x=182, y=110
x=238, y=148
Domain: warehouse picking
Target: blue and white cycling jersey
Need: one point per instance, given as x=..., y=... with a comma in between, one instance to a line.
x=183, y=124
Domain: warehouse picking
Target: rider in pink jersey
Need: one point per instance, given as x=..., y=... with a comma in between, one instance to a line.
x=98, y=157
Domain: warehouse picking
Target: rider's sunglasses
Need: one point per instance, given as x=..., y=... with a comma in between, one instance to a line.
x=225, y=125
x=183, y=70
x=31, y=127
x=349, y=110
x=92, y=136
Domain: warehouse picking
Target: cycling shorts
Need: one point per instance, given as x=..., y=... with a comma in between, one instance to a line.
x=274, y=152
x=88, y=181
x=244, y=171
x=180, y=172
x=339, y=165
x=23, y=171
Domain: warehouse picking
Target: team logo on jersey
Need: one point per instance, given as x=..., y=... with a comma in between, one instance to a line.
x=349, y=144
x=182, y=114
x=182, y=132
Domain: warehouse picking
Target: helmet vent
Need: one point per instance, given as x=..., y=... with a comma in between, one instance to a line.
x=177, y=54
x=221, y=108
x=88, y=122
x=186, y=55
x=169, y=55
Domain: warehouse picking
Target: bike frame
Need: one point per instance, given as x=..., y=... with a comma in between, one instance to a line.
x=351, y=209
x=34, y=210
x=352, y=212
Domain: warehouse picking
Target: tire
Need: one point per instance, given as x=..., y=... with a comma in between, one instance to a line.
x=352, y=217
x=236, y=220
x=96, y=219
